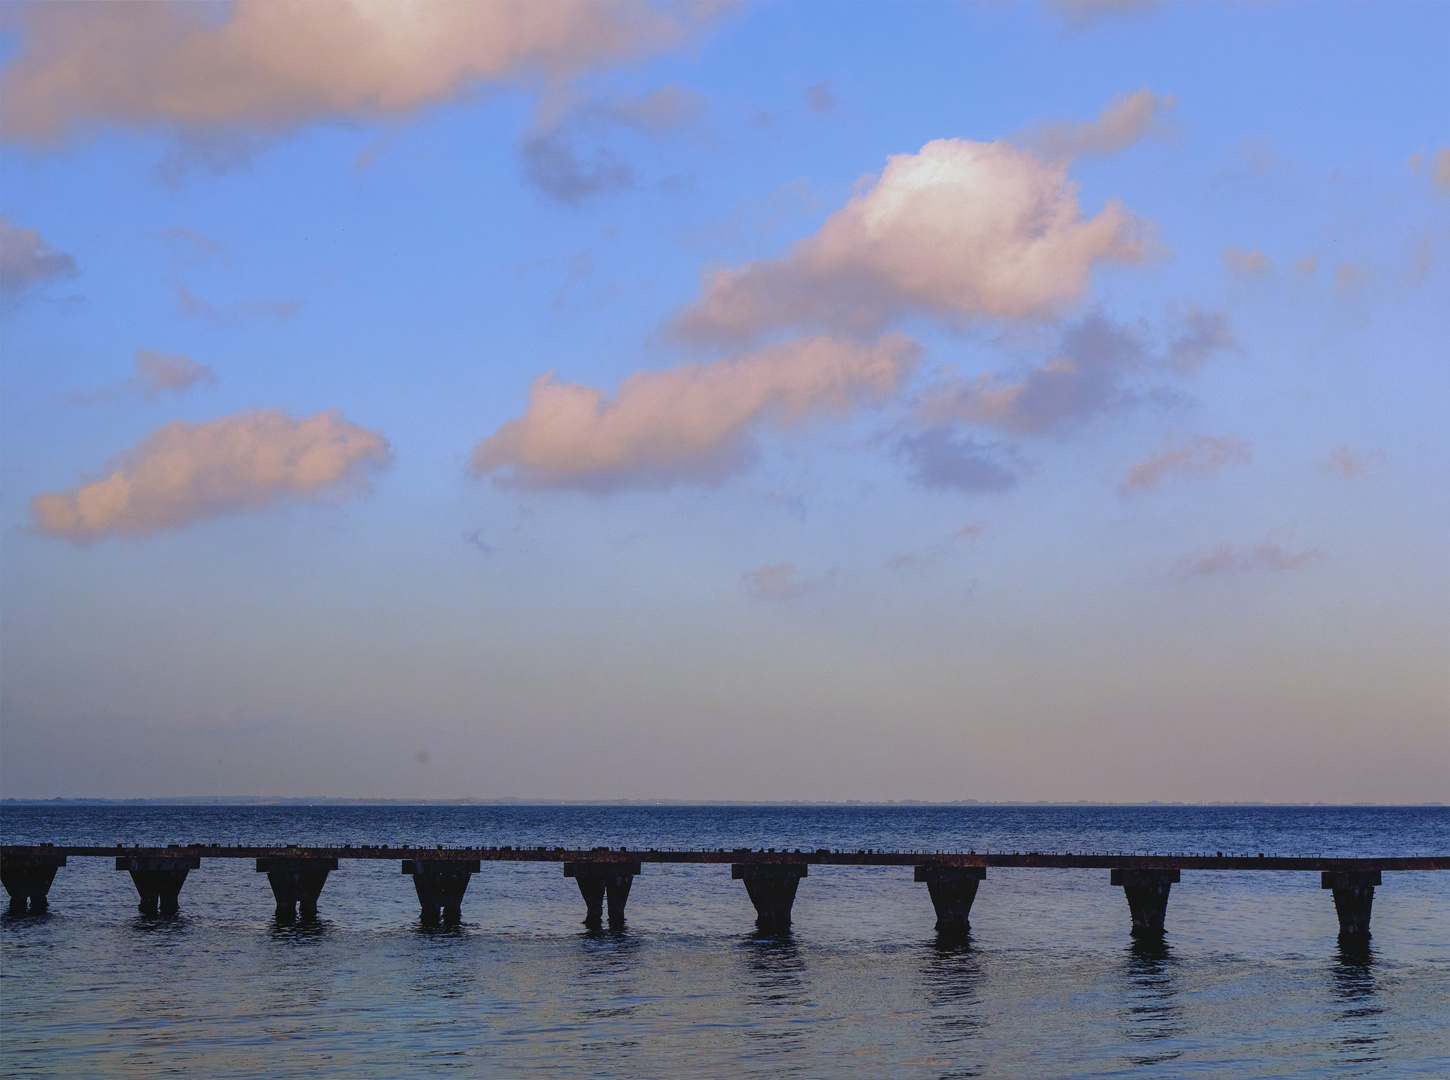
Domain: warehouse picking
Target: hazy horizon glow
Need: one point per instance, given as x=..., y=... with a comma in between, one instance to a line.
x=726, y=402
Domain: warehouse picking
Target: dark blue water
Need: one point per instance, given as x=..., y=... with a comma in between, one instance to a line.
x=1249, y=981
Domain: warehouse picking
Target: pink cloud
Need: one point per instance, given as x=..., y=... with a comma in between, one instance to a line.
x=1349, y=464
x=1080, y=14
x=27, y=260
x=694, y=423
x=159, y=372
x=156, y=373
x=1202, y=455
x=971, y=530
x=957, y=231
x=1266, y=556
x=780, y=582
x=1247, y=262
x=275, y=66
x=1126, y=120
x=184, y=473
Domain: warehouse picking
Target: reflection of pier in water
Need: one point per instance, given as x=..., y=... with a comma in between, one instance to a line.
x=1152, y=1015
x=952, y=975
x=604, y=876
x=1361, y=1037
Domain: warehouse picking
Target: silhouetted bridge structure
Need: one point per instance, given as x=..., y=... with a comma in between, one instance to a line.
x=604, y=875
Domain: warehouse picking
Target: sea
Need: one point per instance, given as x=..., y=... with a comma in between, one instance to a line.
x=1248, y=981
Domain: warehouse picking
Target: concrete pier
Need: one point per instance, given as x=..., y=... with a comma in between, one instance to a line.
x=601, y=884
x=952, y=889
x=158, y=879
x=27, y=876
x=1353, y=898
x=296, y=884
x=1147, y=892
x=440, y=884
x=772, y=887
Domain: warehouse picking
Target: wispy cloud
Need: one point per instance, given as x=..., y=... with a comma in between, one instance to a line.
x=155, y=373
x=781, y=581
x=1267, y=556
x=564, y=157
x=273, y=67
x=1438, y=166
x=939, y=458
x=1202, y=455
x=1081, y=14
x=197, y=308
x=185, y=473
x=957, y=231
x=26, y=260
x=820, y=99
x=1247, y=262
x=690, y=424
x=1126, y=120
x=1349, y=464
x=1083, y=379
x=936, y=552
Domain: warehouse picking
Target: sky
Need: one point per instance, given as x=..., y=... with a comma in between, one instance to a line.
x=584, y=400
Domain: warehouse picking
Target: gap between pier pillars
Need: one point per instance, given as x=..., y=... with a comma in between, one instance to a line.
x=27, y=877
x=1353, y=898
x=952, y=889
x=441, y=884
x=772, y=889
x=601, y=883
x=296, y=884
x=158, y=879
x=1147, y=893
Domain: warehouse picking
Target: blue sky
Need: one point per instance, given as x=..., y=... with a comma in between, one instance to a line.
x=773, y=401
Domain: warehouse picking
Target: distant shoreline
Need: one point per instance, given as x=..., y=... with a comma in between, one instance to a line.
x=263, y=800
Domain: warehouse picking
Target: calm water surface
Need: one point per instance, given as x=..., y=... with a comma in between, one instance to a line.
x=1249, y=981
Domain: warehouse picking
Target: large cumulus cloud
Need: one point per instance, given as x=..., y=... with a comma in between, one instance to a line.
x=272, y=66
x=958, y=230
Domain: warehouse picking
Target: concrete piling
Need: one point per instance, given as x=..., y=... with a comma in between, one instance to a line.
x=158, y=879
x=440, y=884
x=27, y=876
x=952, y=889
x=772, y=888
x=603, y=884
x=296, y=884
x=1147, y=893
x=1353, y=898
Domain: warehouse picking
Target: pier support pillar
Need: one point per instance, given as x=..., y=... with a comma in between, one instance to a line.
x=603, y=884
x=158, y=879
x=296, y=884
x=772, y=889
x=441, y=884
x=952, y=889
x=1147, y=892
x=26, y=876
x=1353, y=897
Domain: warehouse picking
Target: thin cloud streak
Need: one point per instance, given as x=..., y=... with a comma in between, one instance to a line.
x=1202, y=455
x=1126, y=120
x=155, y=373
x=1267, y=556
x=781, y=581
x=27, y=260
